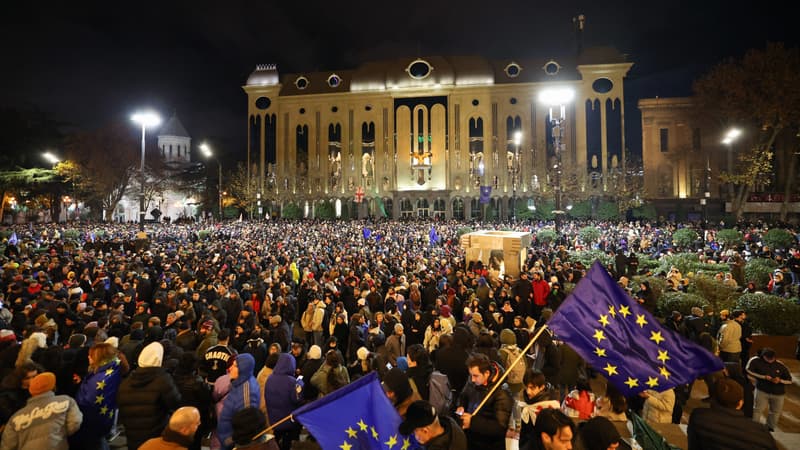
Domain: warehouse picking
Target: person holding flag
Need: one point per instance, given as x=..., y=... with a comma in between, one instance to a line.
x=486, y=426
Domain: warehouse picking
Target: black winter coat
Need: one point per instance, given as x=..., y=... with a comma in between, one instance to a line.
x=146, y=399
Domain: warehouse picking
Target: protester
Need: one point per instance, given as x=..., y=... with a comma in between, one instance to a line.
x=432, y=431
x=30, y=428
x=179, y=433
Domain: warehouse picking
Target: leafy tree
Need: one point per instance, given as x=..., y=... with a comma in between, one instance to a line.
x=241, y=191
x=35, y=182
x=546, y=236
x=325, y=210
x=729, y=237
x=581, y=210
x=778, y=238
x=608, y=211
x=589, y=235
x=760, y=92
x=685, y=237
x=101, y=164
x=291, y=211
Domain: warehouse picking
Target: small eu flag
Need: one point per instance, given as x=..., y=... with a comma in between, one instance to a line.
x=356, y=416
x=623, y=341
x=433, y=236
x=486, y=194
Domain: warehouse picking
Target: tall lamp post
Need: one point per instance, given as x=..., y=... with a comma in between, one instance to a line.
x=728, y=140
x=515, y=175
x=557, y=97
x=145, y=119
x=209, y=154
x=53, y=159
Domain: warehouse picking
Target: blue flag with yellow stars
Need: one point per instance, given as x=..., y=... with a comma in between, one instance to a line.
x=355, y=417
x=623, y=341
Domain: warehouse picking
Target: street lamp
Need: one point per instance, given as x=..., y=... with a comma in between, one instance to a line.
x=514, y=174
x=209, y=154
x=51, y=158
x=145, y=119
x=728, y=140
x=557, y=97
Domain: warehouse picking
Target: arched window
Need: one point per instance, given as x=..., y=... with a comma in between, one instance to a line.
x=301, y=135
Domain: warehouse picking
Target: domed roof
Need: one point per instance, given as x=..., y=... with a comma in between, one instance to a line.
x=264, y=75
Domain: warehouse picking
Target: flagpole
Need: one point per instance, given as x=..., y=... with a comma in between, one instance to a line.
x=271, y=427
x=508, y=370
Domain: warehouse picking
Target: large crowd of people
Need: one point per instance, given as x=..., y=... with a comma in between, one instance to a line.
x=188, y=331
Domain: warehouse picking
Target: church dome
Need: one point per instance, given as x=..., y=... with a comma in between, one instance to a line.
x=264, y=75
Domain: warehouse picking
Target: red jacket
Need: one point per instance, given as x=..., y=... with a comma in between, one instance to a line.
x=541, y=289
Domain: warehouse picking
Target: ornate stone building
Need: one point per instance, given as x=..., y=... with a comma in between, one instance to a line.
x=423, y=136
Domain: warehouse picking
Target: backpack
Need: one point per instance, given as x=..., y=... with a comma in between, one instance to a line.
x=440, y=395
x=517, y=372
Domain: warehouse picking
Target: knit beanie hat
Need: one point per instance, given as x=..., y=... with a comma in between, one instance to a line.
x=396, y=381
x=507, y=337
x=7, y=335
x=362, y=353
x=152, y=355
x=246, y=424
x=315, y=352
x=42, y=383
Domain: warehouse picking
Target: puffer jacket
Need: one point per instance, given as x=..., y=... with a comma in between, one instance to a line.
x=146, y=399
x=244, y=393
x=45, y=422
x=282, y=392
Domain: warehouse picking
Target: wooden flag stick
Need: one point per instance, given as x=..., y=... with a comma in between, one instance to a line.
x=508, y=370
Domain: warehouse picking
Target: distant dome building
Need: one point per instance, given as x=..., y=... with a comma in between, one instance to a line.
x=174, y=145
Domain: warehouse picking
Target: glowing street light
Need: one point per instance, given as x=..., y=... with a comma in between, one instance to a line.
x=145, y=119
x=731, y=136
x=51, y=158
x=557, y=97
x=204, y=147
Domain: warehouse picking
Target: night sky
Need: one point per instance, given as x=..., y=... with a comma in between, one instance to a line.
x=88, y=63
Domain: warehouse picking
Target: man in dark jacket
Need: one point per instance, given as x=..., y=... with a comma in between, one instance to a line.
x=282, y=395
x=486, y=428
x=723, y=426
x=431, y=431
x=147, y=397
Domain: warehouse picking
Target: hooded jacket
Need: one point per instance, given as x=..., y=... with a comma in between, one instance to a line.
x=146, y=398
x=244, y=393
x=282, y=391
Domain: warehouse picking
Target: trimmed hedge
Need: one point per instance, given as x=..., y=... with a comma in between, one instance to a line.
x=770, y=314
x=730, y=237
x=778, y=238
x=589, y=235
x=689, y=262
x=685, y=238
x=588, y=257
x=546, y=236
x=680, y=301
x=713, y=292
x=758, y=271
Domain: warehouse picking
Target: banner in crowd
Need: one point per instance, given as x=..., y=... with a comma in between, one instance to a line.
x=621, y=339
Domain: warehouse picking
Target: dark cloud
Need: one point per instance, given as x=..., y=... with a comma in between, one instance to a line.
x=92, y=62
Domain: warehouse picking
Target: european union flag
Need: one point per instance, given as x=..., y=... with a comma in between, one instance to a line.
x=357, y=416
x=13, y=239
x=366, y=232
x=434, y=236
x=486, y=193
x=621, y=339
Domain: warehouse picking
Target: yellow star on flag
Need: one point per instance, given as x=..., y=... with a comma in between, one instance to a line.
x=612, y=370
x=625, y=310
x=656, y=337
x=664, y=372
x=103, y=410
x=601, y=352
x=604, y=320
x=101, y=385
x=612, y=311
x=406, y=444
x=351, y=433
x=362, y=425
x=662, y=356
x=345, y=446
x=98, y=400
x=598, y=334
x=374, y=433
x=109, y=372
x=640, y=320
x=392, y=441
x=652, y=381
x=632, y=382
